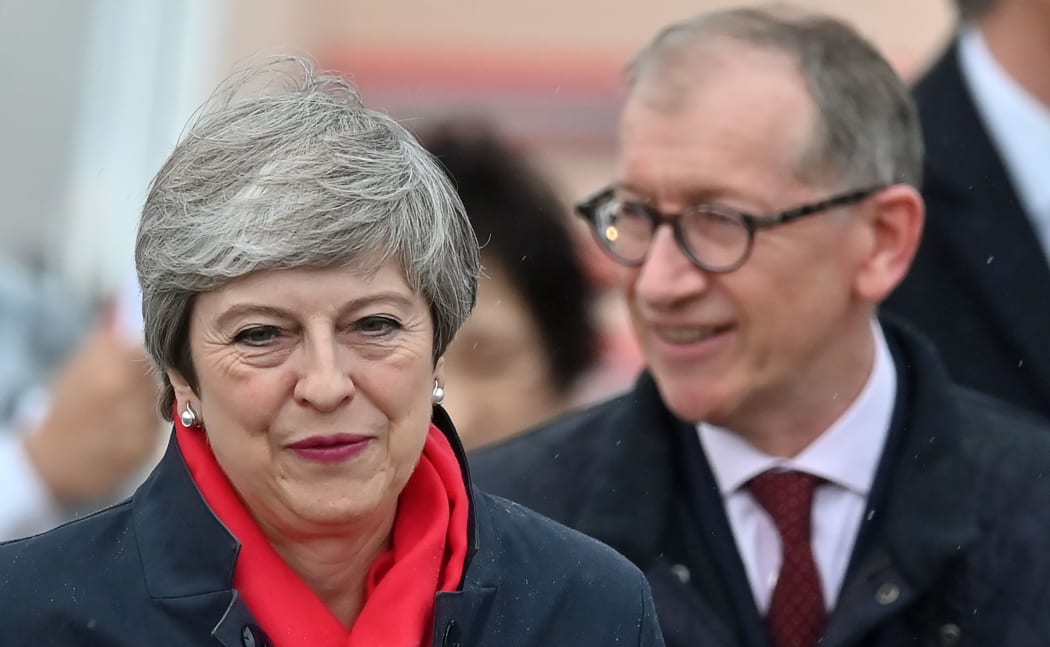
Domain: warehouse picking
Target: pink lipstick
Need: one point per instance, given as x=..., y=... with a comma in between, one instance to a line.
x=330, y=449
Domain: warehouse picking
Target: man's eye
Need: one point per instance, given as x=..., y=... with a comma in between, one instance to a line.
x=377, y=325
x=258, y=335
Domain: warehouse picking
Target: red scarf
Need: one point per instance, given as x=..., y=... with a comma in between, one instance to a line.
x=427, y=555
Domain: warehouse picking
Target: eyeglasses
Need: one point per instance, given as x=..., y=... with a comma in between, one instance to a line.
x=714, y=237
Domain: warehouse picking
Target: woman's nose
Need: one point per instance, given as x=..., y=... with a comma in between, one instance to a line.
x=325, y=384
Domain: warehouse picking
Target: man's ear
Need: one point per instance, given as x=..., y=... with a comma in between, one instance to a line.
x=896, y=216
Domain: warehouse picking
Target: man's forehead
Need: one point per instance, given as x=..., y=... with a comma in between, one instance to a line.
x=669, y=81
x=722, y=139
x=742, y=101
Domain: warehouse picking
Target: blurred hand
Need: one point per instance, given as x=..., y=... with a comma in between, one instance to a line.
x=102, y=424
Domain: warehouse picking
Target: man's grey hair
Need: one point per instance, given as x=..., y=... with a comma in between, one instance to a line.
x=867, y=129
x=285, y=168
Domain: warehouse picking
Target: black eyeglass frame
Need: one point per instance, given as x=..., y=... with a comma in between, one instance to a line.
x=588, y=209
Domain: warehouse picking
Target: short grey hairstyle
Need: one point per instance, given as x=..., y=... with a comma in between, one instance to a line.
x=867, y=129
x=284, y=167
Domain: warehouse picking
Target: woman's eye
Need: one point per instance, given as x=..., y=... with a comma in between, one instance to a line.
x=377, y=325
x=258, y=335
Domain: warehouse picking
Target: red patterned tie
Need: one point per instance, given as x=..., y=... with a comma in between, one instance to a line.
x=796, y=615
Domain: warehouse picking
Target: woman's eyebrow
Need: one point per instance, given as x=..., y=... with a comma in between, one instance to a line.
x=240, y=310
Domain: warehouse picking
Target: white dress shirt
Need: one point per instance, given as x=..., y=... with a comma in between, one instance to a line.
x=846, y=456
x=1018, y=124
x=26, y=506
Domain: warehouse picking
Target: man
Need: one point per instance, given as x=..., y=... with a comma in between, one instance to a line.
x=979, y=285
x=99, y=425
x=788, y=469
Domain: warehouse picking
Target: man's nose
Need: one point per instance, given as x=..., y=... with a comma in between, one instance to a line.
x=668, y=276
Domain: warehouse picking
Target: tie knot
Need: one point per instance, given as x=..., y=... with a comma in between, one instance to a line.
x=788, y=498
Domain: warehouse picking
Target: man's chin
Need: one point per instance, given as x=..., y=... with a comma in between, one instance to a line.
x=690, y=400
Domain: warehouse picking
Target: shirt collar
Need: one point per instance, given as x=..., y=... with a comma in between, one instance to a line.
x=1018, y=123
x=846, y=454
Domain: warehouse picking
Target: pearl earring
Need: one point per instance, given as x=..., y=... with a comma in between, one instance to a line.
x=438, y=395
x=188, y=416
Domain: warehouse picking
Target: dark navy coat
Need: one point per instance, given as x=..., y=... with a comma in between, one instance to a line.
x=954, y=550
x=979, y=284
x=158, y=570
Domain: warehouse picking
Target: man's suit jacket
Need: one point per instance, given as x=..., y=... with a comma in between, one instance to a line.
x=980, y=285
x=952, y=552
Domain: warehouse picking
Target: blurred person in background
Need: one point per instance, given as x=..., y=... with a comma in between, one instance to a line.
x=519, y=359
x=790, y=470
x=304, y=263
x=979, y=285
x=77, y=415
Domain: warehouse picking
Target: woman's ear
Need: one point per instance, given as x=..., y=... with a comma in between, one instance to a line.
x=896, y=228
x=439, y=370
x=183, y=391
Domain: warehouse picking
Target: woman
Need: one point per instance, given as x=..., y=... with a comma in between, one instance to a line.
x=520, y=358
x=304, y=264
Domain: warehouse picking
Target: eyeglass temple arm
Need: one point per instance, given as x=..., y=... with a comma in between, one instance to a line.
x=840, y=200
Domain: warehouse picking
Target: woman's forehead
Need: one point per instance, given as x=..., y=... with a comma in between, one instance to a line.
x=337, y=285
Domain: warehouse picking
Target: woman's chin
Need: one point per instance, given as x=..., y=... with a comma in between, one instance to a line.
x=318, y=505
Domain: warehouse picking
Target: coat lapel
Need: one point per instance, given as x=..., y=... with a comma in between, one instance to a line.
x=460, y=617
x=639, y=463
x=996, y=248
x=188, y=555
x=927, y=520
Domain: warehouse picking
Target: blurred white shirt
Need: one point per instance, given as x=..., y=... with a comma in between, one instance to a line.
x=26, y=507
x=1018, y=124
x=39, y=325
x=846, y=456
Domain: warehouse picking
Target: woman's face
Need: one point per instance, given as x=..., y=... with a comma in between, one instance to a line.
x=315, y=390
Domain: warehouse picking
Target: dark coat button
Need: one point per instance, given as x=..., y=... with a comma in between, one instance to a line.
x=950, y=635
x=253, y=636
x=451, y=638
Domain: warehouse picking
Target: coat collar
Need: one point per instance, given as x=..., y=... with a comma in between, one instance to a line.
x=633, y=457
x=983, y=224
x=928, y=517
x=188, y=554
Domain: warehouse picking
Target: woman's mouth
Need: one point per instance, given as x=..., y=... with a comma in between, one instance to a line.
x=330, y=449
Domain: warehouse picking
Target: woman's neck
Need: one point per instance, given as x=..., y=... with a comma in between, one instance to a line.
x=335, y=564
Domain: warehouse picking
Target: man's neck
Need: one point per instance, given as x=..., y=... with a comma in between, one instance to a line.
x=1018, y=36
x=787, y=422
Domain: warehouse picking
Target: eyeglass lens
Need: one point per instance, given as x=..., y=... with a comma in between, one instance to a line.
x=712, y=238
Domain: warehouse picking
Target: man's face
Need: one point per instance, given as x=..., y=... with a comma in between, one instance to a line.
x=727, y=347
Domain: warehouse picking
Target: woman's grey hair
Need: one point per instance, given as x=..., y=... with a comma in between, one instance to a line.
x=284, y=167
x=867, y=129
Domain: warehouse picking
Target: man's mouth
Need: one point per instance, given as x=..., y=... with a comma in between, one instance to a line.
x=690, y=334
